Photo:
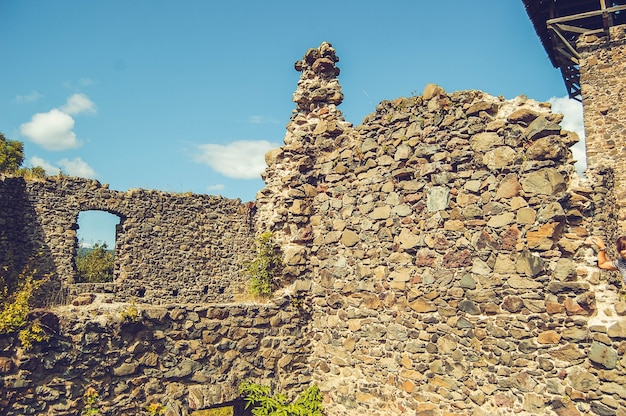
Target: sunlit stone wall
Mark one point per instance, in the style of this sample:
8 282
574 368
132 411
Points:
602 69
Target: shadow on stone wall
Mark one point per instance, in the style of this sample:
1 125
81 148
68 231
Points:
23 245
169 247
184 357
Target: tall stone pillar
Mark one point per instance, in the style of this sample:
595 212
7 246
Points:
603 83
315 128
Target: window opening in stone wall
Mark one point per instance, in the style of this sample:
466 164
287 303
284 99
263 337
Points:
95 252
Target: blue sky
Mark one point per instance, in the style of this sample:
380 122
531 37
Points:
188 95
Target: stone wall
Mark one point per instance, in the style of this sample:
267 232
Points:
445 239
169 247
602 66
183 357
436 261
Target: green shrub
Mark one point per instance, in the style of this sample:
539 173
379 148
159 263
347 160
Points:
16 293
264 403
11 154
36 172
95 265
12 157
263 270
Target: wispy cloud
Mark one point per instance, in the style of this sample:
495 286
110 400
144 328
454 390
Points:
29 98
573 120
83 82
217 187
54 130
244 159
42 163
74 167
77 167
79 103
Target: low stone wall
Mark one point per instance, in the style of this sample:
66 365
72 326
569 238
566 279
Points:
186 358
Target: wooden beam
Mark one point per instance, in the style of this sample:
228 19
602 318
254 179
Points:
568 28
567 55
585 15
565 41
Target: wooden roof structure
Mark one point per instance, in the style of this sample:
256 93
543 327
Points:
559 23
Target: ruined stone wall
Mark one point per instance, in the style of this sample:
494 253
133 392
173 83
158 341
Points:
169 247
183 357
437 263
602 67
446 243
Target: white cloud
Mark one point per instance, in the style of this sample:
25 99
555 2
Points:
77 167
78 103
573 112
29 98
244 159
47 166
573 120
51 130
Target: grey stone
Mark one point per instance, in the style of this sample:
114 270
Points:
528 264
437 198
603 355
469 307
546 181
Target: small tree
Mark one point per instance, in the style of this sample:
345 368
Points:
263 270
11 155
95 265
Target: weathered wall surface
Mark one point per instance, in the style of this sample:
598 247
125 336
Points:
445 240
169 247
438 261
602 67
184 357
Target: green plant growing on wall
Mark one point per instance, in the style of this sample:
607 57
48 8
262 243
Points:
130 313
263 270
264 403
155 409
95 265
16 293
92 402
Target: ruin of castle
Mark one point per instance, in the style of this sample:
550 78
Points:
436 262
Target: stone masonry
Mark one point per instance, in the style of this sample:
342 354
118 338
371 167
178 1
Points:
602 67
168 246
445 240
183 357
436 262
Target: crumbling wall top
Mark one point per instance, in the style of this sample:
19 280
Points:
318 85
